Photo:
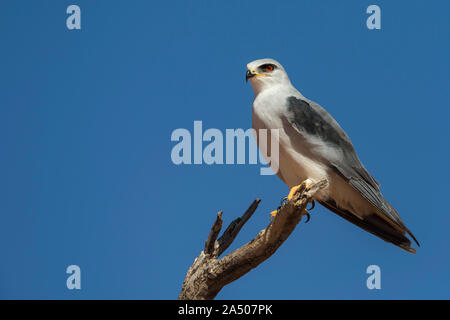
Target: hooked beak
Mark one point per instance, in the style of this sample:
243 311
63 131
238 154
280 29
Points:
249 75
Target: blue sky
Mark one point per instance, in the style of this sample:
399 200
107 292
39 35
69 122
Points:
86 116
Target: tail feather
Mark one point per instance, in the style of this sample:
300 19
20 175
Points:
374 224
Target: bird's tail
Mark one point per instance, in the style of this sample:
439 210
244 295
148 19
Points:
376 225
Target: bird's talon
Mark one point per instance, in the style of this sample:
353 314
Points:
313 204
308 217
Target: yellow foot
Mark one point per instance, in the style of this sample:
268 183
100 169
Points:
307 184
273 214
292 191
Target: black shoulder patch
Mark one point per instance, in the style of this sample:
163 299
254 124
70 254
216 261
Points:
312 119
309 120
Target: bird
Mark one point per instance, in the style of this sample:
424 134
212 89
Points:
313 146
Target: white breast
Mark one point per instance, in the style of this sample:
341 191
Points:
295 164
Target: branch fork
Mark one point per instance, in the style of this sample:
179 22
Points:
209 274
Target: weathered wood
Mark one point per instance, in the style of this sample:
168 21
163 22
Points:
215 230
208 274
233 229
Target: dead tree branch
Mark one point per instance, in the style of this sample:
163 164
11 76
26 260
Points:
208 274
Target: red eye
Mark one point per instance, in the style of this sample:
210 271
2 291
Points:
269 68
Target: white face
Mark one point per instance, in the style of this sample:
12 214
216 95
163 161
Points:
265 73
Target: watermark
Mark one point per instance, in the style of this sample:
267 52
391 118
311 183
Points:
374 20
240 146
226 309
74 20
374 280
74 280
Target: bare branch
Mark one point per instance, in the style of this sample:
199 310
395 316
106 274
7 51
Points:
208 275
233 229
215 230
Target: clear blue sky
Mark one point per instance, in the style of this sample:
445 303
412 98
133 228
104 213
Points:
86 117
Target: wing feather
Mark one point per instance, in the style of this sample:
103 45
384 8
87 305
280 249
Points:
311 119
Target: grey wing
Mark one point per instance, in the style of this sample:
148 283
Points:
311 119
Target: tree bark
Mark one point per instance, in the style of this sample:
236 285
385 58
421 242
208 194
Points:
209 274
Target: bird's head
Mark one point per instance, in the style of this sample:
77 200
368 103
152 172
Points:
265 73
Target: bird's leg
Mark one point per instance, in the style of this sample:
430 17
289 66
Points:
307 184
292 191
283 201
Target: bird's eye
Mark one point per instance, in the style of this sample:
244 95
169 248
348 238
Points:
268 67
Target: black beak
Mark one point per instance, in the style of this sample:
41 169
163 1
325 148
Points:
248 75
